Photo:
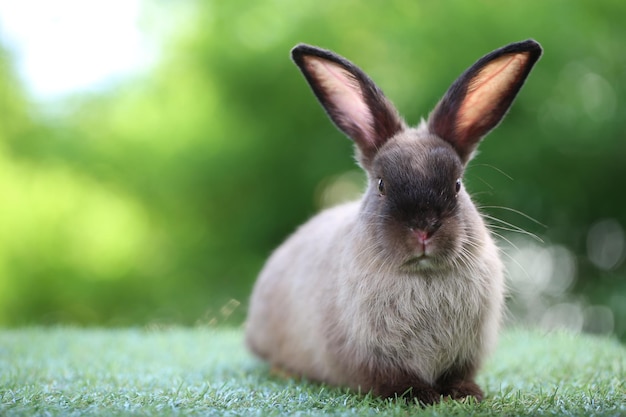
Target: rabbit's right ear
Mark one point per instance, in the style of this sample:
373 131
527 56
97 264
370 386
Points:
481 96
351 99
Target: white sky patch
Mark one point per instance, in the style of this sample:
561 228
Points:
66 46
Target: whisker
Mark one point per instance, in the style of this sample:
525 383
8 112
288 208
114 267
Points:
495 169
479 193
516 230
526 216
513 228
516 262
501 236
484 182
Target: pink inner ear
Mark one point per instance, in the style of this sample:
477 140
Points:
493 82
344 94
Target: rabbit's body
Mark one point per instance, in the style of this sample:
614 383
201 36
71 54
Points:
402 291
367 311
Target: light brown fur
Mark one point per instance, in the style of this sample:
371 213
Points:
325 307
353 298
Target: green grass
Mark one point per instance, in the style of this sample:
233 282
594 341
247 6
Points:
69 371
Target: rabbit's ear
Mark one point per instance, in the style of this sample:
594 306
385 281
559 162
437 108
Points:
351 99
481 96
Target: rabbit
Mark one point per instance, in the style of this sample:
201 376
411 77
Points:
401 293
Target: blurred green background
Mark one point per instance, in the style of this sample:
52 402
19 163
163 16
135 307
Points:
156 197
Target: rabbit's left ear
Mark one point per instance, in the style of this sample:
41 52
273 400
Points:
351 99
481 96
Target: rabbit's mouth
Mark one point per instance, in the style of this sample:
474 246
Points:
421 262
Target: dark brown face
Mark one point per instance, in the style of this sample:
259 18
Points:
417 202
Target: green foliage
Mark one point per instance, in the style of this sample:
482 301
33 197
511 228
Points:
67 371
159 199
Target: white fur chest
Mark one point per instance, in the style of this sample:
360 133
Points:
423 324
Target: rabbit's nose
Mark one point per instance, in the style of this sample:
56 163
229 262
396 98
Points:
421 235
421 239
425 230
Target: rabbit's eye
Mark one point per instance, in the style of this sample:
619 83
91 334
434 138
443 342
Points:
381 186
458 185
